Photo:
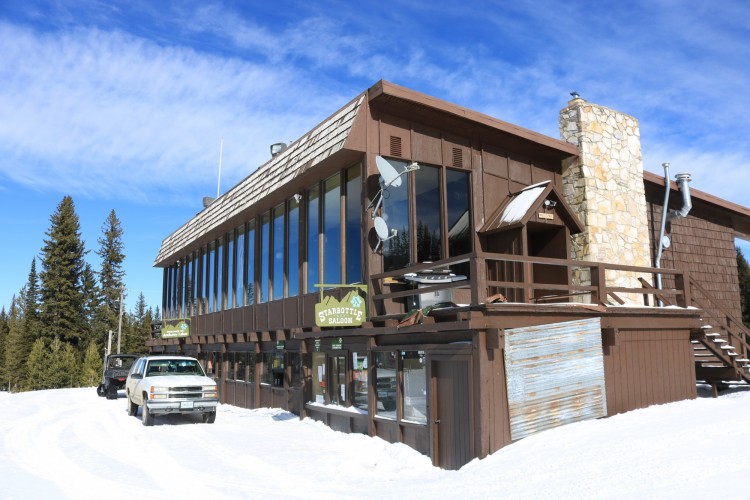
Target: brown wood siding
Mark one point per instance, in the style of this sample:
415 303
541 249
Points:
492 420
387 430
456 151
395 137
647 367
426 145
706 249
416 436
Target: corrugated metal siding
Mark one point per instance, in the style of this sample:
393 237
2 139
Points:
317 145
555 375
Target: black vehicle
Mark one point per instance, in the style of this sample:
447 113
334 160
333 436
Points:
116 368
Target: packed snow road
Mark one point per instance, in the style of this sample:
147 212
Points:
70 443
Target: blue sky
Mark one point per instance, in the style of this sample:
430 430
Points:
123 104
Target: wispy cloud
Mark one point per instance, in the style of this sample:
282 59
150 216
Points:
112 114
101 110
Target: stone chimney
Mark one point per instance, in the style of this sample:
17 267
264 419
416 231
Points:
604 186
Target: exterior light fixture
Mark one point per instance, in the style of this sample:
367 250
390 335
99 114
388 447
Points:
277 148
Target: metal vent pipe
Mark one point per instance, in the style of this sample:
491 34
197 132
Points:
687 204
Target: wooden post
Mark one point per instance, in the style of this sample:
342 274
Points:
478 266
599 280
682 282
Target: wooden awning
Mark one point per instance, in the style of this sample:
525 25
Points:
537 203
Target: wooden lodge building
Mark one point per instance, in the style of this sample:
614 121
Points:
418 271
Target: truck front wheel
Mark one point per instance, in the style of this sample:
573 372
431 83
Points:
146 416
132 407
209 417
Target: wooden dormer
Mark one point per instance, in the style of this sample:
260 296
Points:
533 222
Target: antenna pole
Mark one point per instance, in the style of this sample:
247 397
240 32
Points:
221 151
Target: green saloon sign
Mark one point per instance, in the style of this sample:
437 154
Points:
350 311
175 328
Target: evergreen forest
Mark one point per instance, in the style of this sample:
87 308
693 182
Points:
55 332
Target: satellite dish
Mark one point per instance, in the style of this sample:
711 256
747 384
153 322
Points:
381 230
390 175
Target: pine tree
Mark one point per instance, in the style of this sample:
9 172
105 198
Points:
16 348
141 327
37 367
91 371
111 274
62 368
743 272
70 374
95 327
4 328
62 265
30 295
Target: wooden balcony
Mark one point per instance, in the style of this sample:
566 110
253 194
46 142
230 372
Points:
490 278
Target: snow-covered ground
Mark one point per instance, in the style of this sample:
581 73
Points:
69 443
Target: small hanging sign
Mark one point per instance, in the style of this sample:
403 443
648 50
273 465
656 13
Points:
350 311
175 328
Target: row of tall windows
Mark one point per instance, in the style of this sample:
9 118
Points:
438 216
339 377
241 367
261 259
408 402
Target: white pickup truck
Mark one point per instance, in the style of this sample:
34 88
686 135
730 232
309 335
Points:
170 384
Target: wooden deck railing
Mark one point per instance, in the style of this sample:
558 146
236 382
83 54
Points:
527 280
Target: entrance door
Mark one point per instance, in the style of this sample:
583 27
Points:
451 428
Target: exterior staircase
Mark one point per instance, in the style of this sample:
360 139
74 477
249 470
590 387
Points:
722 346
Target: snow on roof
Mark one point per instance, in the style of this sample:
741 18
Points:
521 203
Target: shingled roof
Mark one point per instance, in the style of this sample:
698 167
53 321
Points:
306 152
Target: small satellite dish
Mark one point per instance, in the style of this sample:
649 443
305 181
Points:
666 242
390 175
381 230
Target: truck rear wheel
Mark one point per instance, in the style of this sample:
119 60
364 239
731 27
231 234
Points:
111 391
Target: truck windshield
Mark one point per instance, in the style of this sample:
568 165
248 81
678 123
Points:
174 367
